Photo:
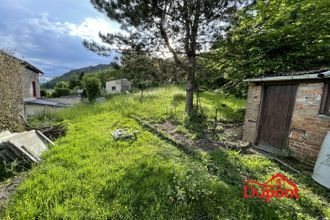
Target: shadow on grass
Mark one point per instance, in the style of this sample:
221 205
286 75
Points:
229 108
151 189
196 122
231 169
234 169
9 170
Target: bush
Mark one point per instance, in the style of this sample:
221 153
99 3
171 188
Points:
43 93
62 84
61 92
92 85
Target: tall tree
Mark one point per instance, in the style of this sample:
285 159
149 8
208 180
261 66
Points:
141 68
183 27
274 36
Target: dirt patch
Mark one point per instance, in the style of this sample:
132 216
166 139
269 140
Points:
225 135
7 189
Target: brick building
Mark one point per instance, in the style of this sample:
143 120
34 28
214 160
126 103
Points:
289 113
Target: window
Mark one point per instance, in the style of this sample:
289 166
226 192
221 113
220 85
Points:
325 104
113 88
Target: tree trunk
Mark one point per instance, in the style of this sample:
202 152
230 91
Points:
191 84
189 96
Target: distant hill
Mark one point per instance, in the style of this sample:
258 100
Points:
75 74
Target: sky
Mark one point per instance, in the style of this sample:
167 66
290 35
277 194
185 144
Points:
49 33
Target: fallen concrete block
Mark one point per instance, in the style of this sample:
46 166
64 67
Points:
5 133
25 147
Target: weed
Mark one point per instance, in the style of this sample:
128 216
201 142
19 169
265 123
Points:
196 121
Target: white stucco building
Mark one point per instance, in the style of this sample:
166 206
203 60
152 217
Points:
118 86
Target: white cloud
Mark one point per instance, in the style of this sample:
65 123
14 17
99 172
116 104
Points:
88 29
44 41
42 23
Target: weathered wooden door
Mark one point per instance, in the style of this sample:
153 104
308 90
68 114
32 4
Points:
276 115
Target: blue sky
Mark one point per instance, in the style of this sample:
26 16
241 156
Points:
49 33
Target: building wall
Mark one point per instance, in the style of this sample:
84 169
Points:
125 85
308 128
122 85
33 110
114 83
11 103
27 77
252 113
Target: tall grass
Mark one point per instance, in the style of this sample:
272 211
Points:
88 175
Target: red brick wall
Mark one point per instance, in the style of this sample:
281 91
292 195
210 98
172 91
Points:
252 113
308 128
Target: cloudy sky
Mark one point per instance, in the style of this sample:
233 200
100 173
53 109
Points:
49 33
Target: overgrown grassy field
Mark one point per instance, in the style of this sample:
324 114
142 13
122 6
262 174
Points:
88 175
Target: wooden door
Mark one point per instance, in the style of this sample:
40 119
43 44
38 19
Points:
34 89
276 115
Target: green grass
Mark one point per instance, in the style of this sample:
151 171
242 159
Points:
88 175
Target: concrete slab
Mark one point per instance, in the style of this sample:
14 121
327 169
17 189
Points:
27 146
5 133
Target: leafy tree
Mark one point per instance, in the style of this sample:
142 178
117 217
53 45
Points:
62 85
273 36
182 27
61 89
107 75
92 86
73 83
145 69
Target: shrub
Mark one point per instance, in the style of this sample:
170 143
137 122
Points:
61 92
43 93
196 121
62 84
92 85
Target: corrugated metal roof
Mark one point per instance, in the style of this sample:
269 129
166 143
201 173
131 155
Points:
298 75
44 102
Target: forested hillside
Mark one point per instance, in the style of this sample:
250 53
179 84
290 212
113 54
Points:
74 74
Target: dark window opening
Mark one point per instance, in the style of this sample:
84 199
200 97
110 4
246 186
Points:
34 89
113 87
325 104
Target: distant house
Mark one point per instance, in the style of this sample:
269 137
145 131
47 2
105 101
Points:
30 79
30 88
118 86
33 104
289 113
